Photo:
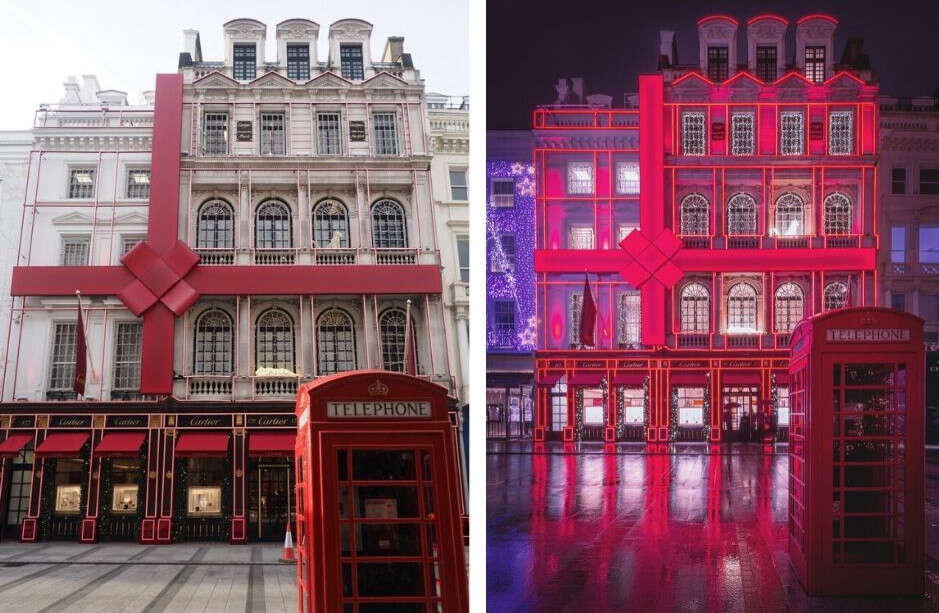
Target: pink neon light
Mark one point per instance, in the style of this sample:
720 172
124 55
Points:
781 20
713 17
802 20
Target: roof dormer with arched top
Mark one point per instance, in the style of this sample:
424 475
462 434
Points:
301 34
350 49
815 36
766 46
717 46
241 35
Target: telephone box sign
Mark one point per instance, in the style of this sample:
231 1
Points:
868 335
378 409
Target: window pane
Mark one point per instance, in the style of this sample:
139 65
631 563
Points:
841 132
929 181
273 140
791 133
742 133
244 67
580 178
503 192
298 62
462 249
627 178
138 184
717 63
215 134
328 134
898 244
350 58
929 245
81 183
692 134
766 63
386 137
75 251
335 342
458 184
62 371
898 181
127 356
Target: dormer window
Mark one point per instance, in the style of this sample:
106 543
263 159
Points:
350 59
717 63
298 62
815 64
244 62
766 63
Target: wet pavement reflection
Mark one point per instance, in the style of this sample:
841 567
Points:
669 528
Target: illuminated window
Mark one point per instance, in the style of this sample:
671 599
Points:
741 309
580 237
81 183
634 404
298 62
717 63
335 342
782 406
628 318
559 406
791 133
215 228
507 262
503 312
273 226
392 325
502 193
330 225
127 356
741 125
580 178
836 295
328 134
929 247
623 230
789 307
350 62
841 133
627 178
766 63
388 225
790 215
75 251
138 183
695 218
573 319
244 62
898 244
690 405
741 215
837 214
593 406
214 344
692 134
695 309
815 64
273 136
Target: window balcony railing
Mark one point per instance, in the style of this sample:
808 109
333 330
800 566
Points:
209 386
266 257
782 340
696 340
743 242
216 257
395 257
502 200
275 387
126 395
334 257
743 341
696 242
61 395
792 242
899 268
929 268
842 241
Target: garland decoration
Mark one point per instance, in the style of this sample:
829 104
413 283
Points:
48 494
579 414
620 412
705 410
774 403
107 519
211 527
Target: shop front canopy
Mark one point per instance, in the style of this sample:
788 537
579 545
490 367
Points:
272 443
120 444
62 445
14 444
202 445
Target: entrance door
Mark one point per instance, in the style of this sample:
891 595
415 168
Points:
388 528
741 414
273 501
20 471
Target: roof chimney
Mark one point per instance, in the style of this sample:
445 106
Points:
192 45
89 89
394 47
668 48
148 97
72 93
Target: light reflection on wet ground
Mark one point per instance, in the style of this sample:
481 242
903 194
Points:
686 528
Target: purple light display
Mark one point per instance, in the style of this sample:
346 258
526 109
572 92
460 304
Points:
507 281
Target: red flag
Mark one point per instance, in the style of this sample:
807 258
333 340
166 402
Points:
588 316
410 359
81 355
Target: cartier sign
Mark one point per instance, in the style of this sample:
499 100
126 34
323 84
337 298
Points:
378 409
71 421
868 335
205 421
271 420
127 421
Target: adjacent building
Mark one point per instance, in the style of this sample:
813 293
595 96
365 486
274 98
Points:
738 199
257 222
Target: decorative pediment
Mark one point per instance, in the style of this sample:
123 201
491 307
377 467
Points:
72 219
845 80
132 218
272 79
793 80
384 80
329 80
743 81
215 80
690 86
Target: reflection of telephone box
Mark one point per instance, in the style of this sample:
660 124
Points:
856 453
378 496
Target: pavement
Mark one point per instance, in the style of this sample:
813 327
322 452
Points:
685 528
130 578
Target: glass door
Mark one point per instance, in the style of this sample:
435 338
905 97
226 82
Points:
740 413
274 508
21 468
388 529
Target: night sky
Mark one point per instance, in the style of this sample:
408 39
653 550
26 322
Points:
531 43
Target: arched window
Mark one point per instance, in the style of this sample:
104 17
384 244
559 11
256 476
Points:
335 342
836 295
741 309
392 325
330 225
789 307
274 341
389 230
790 215
741 215
214 344
837 214
273 226
694 215
695 309
215 225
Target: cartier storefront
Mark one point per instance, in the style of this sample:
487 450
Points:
153 472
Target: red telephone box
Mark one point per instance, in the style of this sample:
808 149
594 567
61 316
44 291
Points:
856 453
378 495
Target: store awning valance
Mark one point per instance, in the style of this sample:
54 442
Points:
14 444
688 378
272 443
202 444
741 377
629 378
118 444
550 379
586 378
62 445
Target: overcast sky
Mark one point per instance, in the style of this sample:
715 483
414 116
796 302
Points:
126 43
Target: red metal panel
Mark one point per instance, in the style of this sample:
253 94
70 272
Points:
64 280
651 154
292 280
156 371
164 162
62 445
768 131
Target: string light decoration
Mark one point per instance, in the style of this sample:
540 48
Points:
774 403
579 414
705 410
505 281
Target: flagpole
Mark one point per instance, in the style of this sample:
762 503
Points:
91 365
407 336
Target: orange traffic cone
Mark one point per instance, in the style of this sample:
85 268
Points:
288 555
